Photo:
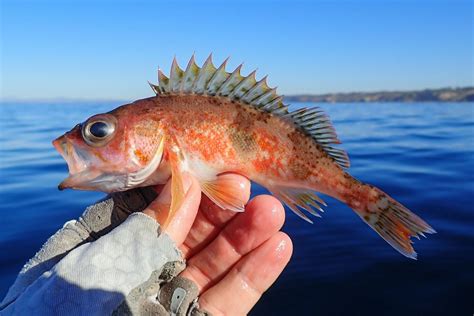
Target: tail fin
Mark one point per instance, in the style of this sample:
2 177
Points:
393 222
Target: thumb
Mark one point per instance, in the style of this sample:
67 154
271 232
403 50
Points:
183 219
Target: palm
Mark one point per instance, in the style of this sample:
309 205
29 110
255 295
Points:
232 257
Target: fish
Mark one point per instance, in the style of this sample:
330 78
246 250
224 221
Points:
207 122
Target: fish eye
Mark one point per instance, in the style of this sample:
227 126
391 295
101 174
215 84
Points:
97 131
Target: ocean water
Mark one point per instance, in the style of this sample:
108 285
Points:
421 154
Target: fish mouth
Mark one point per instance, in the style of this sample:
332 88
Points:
82 175
76 159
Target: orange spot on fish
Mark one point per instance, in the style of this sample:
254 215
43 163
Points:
141 157
99 155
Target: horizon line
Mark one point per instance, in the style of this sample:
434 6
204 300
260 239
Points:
78 99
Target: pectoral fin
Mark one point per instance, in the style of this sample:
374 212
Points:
222 191
177 186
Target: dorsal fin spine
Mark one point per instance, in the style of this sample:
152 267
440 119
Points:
281 110
176 76
270 106
234 79
216 80
264 98
205 74
237 91
189 76
257 90
155 88
163 81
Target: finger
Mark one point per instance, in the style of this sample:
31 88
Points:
211 218
183 219
243 286
263 217
179 226
158 208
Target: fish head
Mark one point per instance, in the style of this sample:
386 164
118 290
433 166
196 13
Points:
111 152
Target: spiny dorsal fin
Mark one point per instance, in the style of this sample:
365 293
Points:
209 80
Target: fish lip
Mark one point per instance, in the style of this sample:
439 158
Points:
92 180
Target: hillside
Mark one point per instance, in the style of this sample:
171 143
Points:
465 94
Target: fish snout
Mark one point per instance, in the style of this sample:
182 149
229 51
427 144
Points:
60 144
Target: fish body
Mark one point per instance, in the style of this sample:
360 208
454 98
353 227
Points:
208 122
224 136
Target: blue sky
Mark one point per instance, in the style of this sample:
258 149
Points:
109 49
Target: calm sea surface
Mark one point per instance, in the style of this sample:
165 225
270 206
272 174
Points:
421 154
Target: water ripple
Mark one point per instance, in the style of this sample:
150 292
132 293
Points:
423 155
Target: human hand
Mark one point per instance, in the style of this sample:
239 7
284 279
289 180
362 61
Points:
232 257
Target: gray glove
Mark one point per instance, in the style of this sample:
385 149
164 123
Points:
99 263
165 294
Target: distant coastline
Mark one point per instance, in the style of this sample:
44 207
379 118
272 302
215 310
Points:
465 94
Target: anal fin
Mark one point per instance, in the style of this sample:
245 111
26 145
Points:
297 199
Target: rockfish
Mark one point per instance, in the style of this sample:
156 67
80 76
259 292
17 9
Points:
207 121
